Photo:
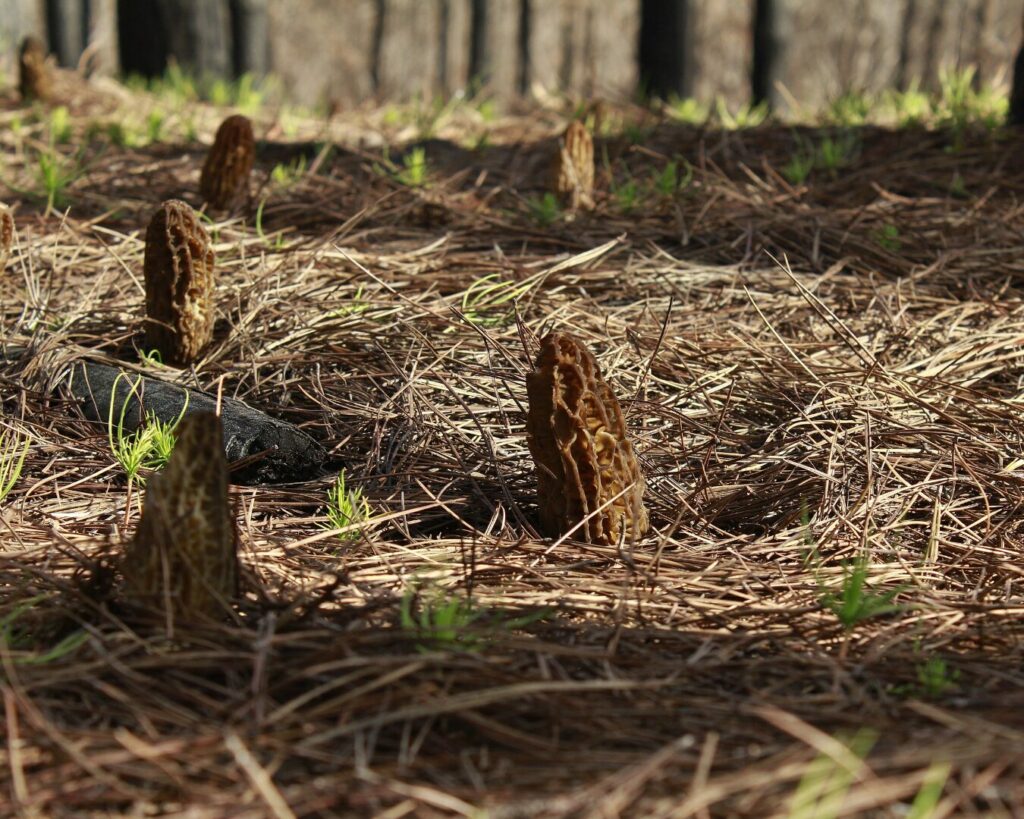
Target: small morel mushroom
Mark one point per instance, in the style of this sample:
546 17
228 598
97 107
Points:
178 270
183 560
587 474
6 235
573 169
225 175
34 78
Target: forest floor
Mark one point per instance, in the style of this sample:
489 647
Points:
817 336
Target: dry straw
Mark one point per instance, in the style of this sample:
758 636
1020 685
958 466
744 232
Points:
859 406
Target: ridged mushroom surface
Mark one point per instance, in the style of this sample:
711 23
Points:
183 559
589 480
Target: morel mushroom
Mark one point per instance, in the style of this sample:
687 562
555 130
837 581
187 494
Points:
6 235
178 270
573 171
183 559
225 175
589 481
34 79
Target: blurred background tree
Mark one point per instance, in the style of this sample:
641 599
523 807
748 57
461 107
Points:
346 51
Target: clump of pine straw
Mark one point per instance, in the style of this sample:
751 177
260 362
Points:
819 378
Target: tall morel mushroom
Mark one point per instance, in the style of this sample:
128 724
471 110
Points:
6 235
178 270
225 176
183 560
35 81
573 168
588 477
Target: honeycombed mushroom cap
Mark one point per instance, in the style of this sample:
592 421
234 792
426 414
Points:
178 269
183 558
225 174
587 473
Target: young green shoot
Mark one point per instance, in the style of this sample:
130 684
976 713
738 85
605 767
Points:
449 620
358 304
850 109
855 602
835 153
60 126
746 116
442 619
627 195
21 637
926 801
154 126
489 301
961 105
545 210
935 678
908 108
278 241
414 169
688 110
668 182
347 509
798 168
888 236
148 447
151 358
13 451
54 177
827 780
287 175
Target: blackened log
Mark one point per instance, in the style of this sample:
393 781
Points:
262 449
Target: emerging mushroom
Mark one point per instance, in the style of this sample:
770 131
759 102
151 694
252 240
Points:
573 168
178 269
35 80
183 559
225 176
589 480
6 235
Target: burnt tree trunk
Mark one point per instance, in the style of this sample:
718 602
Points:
765 48
1016 112
497 45
323 56
250 34
143 41
194 33
584 47
663 33
68 25
199 34
84 27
